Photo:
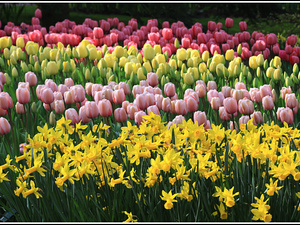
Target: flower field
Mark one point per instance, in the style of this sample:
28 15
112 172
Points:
112 122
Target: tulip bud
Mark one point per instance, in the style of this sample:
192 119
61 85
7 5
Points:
75 75
14 72
239 49
295 69
288 82
176 43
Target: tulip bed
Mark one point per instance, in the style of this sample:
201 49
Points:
107 122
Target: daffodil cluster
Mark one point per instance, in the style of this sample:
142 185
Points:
175 160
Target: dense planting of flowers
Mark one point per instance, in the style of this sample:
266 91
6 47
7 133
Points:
107 122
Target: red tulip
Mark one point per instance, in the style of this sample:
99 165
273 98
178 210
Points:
243 25
228 22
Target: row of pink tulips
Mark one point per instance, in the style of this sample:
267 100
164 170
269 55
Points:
111 31
228 103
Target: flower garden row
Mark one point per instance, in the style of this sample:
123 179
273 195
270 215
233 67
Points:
174 113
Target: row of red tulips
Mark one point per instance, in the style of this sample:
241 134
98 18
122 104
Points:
110 32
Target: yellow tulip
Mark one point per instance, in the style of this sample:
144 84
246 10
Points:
20 42
229 55
149 52
82 51
181 54
52 68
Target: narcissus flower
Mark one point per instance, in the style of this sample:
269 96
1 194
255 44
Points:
169 198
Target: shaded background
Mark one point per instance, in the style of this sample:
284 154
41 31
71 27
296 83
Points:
277 17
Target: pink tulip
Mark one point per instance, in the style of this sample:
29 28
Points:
226 90
294 59
169 89
71 114
69 98
271 39
286 115
59 106
124 105
237 94
154 109
181 107
62 88
6 101
82 115
290 100
158 100
51 84
255 95
201 90
191 103
138 117
212 26
132 108
88 88
212 93
69 82
78 92
141 101
265 90
105 107
20 108
215 103
157 90
240 85
257 117
47 96
246 106
137 89
118 96
178 120
291 40
96 87
2 78
23 95
120 115
200 118
267 102
166 104
230 105
91 109
4 126
152 79
211 85
223 114
244 120
125 87
31 78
